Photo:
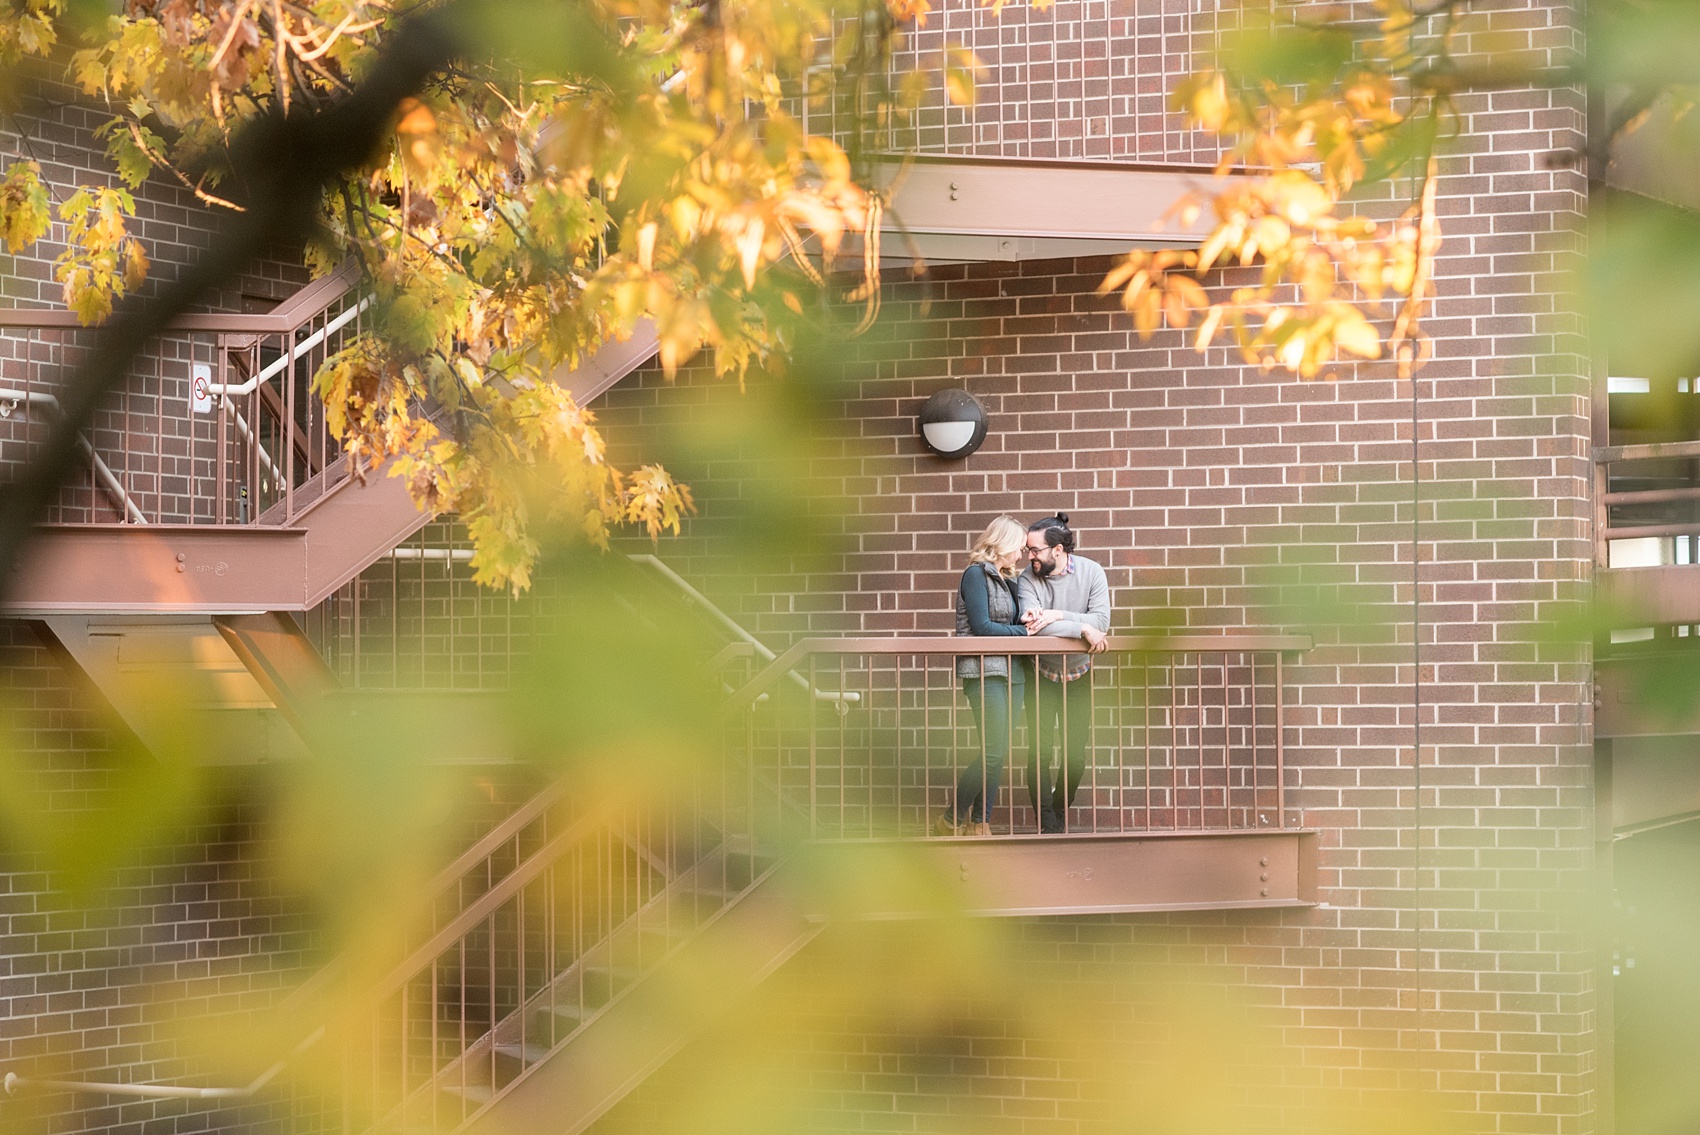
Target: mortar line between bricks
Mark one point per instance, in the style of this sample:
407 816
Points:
1417 714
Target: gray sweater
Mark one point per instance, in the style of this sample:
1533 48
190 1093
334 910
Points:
1084 593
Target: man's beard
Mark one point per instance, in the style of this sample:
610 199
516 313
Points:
1043 568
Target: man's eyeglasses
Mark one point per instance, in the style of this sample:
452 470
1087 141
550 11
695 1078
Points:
1032 551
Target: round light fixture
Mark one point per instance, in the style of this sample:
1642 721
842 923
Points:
953 423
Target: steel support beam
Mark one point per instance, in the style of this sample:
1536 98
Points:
608 364
1649 596
162 568
1013 209
276 652
349 528
1021 876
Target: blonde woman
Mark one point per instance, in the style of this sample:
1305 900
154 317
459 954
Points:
986 606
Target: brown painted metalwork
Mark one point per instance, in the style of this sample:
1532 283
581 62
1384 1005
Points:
1129 202
163 568
1651 595
1010 877
1186 733
276 652
1606 457
255 456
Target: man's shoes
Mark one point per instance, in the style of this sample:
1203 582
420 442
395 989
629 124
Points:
1050 825
945 825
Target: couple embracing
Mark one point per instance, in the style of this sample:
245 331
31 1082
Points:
1061 594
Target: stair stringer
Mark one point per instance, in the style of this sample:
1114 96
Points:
644 1025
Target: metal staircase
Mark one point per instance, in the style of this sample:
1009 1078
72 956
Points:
561 983
215 495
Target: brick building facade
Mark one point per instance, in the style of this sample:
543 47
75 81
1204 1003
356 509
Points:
1428 537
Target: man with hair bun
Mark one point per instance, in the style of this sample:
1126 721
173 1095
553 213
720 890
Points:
1068 596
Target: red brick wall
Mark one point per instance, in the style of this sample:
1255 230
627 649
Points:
1084 79
100 976
1451 942
54 126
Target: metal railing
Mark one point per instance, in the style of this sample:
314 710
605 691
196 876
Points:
1635 503
533 959
415 620
1180 734
841 699
548 920
216 424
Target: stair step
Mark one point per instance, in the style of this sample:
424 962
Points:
601 983
474 1093
557 1022
566 1011
526 1054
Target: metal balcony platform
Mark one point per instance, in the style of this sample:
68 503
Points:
1025 875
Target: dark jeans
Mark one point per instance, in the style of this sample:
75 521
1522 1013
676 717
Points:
1062 715
997 707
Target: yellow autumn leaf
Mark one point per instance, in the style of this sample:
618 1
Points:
1353 333
962 70
1207 329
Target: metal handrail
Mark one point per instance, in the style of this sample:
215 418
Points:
14 1082
523 873
1649 451
481 908
303 324
451 875
693 596
289 357
102 470
995 646
1605 498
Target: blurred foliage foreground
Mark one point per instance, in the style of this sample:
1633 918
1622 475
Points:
709 192
946 1023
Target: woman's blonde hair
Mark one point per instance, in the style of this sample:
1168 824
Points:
1001 537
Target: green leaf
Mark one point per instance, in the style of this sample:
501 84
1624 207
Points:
132 160
1267 52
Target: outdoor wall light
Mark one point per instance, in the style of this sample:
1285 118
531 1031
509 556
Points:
953 423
